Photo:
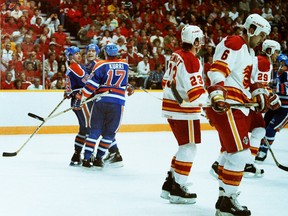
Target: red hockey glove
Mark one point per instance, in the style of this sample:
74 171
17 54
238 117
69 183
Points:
274 101
77 101
217 95
260 95
130 89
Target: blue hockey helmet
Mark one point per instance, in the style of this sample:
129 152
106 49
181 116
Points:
93 47
282 57
111 49
71 51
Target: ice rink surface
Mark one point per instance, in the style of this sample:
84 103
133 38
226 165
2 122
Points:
39 182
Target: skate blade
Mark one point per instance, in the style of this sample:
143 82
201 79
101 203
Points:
75 164
180 200
165 195
253 175
114 165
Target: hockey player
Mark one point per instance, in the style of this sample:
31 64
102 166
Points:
92 52
185 72
276 119
114 158
76 79
108 75
230 78
262 70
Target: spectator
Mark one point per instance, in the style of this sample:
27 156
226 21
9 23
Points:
155 77
158 36
27 45
233 13
52 23
29 72
132 58
60 35
85 21
143 71
16 13
6 55
51 65
35 16
105 39
107 25
36 85
24 82
8 82
18 84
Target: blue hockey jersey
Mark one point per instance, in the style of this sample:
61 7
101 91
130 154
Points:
108 75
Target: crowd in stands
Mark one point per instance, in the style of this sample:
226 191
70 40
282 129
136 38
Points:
145 31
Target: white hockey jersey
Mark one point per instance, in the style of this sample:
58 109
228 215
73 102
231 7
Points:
232 65
185 70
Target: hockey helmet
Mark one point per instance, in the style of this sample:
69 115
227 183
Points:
282 57
71 51
262 25
93 47
189 34
272 44
111 49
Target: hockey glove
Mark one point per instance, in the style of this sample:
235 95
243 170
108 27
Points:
77 101
217 95
261 96
67 95
130 89
274 101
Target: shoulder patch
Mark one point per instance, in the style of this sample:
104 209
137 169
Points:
190 61
234 42
263 64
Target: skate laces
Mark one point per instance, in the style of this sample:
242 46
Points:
235 201
185 187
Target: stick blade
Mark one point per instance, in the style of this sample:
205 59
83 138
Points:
283 167
9 154
35 116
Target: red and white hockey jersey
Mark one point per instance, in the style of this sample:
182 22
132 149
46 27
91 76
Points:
232 65
262 70
185 70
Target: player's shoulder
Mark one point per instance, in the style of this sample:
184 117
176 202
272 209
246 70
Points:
263 63
191 62
234 42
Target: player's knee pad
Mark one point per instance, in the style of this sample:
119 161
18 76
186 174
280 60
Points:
186 152
258 133
238 160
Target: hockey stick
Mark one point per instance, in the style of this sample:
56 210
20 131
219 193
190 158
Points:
12 154
274 158
143 89
184 103
64 111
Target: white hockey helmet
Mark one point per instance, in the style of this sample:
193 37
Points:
262 25
272 44
189 34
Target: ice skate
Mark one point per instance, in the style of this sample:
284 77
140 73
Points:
167 186
86 164
76 159
214 169
251 171
231 207
114 159
180 195
98 163
262 153
261 156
